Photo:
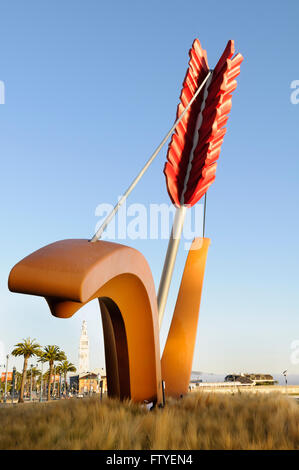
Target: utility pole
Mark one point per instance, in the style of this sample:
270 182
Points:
60 384
13 384
101 388
31 367
286 380
41 383
53 390
5 390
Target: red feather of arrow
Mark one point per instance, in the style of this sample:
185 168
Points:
196 143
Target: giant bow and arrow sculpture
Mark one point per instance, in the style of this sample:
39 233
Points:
196 143
70 273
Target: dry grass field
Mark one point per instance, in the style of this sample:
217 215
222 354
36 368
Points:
198 421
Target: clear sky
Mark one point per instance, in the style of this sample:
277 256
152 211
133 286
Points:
91 87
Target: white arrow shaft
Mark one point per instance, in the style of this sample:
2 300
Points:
110 216
170 258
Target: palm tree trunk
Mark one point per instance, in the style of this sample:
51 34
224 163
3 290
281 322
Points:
65 386
59 381
21 397
49 380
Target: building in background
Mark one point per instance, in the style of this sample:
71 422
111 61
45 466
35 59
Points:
87 381
91 383
251 379
215 381
84 350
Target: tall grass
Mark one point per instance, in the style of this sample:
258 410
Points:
198 421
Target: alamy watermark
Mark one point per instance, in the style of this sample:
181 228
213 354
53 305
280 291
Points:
153 222
2 92
294 98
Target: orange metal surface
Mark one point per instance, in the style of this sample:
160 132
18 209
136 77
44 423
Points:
70 273
179 349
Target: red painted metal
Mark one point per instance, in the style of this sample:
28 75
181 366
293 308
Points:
189 173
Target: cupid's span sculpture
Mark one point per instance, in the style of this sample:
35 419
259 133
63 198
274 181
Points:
71 273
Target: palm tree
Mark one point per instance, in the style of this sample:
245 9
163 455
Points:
51 354
18 381
2 388
27 349
44 381
58 371
35 374
65 367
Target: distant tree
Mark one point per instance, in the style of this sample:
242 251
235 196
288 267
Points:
35 375
51 354
58 371
44 381
2 387
26 349
18 381
65 367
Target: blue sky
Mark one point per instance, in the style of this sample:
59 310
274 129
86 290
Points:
91 88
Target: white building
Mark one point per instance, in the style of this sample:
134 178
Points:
84 350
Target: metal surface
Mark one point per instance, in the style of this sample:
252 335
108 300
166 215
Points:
196 143
70 273
110 216
178 353
169 262
197 67
198 123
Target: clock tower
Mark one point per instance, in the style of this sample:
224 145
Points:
84 350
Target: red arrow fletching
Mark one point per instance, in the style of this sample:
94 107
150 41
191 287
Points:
196 143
